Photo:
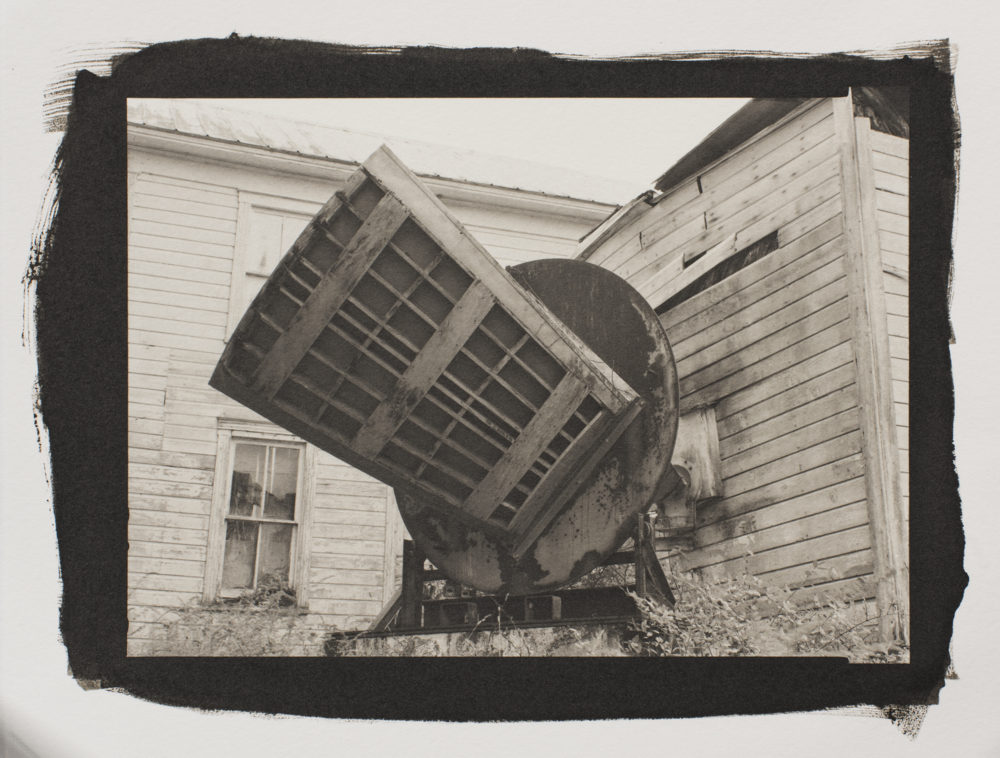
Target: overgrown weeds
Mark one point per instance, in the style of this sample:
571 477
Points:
742 616
260 622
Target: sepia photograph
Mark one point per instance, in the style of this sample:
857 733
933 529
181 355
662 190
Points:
496 379
522 377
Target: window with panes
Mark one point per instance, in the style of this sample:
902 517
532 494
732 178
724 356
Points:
261 515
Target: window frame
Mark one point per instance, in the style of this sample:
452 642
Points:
248 203
231 432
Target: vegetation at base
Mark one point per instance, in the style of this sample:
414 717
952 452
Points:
260 622
742 616
739 616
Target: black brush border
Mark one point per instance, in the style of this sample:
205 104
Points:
80 277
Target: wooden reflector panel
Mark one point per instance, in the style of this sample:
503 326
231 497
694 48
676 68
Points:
388 337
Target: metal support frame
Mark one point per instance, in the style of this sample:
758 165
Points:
650 581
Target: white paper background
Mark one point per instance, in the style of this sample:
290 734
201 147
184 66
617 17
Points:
43 710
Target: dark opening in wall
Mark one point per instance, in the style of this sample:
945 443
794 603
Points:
725 269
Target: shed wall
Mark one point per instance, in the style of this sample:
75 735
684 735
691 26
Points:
771 347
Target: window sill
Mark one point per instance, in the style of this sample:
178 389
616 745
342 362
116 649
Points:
225 606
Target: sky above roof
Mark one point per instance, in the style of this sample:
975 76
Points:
630 141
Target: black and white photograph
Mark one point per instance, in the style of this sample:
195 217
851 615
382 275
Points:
510 397
393 397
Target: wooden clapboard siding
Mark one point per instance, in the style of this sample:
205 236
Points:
771 348
347 559
847 577
766 539
890 161
511 247
794 558
802 182
799 131
771 187
184 242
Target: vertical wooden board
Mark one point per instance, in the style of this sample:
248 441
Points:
393 547
864 272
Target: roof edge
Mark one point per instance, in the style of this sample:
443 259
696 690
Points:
745 123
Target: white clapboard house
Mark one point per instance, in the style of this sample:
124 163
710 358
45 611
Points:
215 198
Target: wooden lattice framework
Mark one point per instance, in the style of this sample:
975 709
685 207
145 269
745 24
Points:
390 338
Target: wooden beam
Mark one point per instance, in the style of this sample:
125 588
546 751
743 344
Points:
426 369
448 232
543 491
639 556
531 527
413 586
862 262
217 522
523 452
328 296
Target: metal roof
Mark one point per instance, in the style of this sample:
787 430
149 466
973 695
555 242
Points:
426 159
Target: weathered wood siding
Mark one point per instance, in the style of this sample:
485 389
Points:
770 347
183 238
890 160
